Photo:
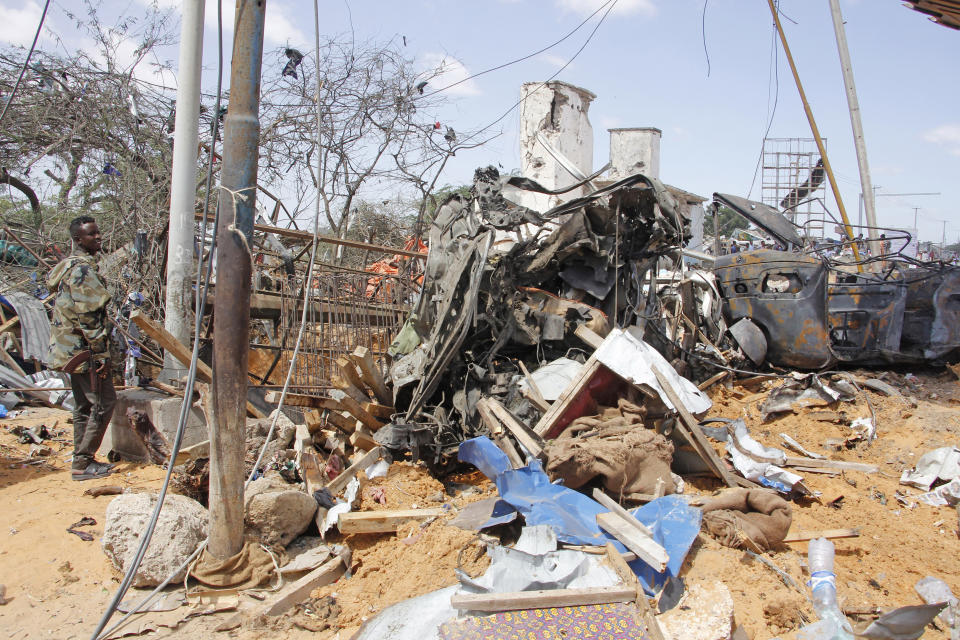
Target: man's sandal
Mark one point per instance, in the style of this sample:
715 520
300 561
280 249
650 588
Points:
94 470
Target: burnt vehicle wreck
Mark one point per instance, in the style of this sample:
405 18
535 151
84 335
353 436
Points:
811 311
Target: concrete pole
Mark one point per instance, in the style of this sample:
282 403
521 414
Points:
231 324
183 190
853 104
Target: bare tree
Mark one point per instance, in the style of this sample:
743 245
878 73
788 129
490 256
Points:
378 136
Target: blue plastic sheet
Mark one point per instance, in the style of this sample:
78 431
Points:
573 515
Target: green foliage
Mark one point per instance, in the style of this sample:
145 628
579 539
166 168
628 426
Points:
730 221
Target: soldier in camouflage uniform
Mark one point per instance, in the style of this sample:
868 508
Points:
80 324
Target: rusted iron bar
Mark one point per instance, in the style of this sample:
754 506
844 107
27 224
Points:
231 330
307 236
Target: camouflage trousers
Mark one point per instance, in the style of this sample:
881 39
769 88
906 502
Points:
91 416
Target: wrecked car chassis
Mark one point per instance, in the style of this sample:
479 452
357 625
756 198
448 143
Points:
815 313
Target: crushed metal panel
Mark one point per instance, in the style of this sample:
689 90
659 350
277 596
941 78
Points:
785 294
765 217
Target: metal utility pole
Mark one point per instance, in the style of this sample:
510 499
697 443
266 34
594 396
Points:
853 104
816 134
231 325
183 185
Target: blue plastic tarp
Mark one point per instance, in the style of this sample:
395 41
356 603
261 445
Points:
573 515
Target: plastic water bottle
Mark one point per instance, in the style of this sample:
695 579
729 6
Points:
833 625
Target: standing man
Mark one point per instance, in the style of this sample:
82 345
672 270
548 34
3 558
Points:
80 345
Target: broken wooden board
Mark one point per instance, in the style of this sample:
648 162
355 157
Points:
337 485
370 374
349 373
347 387
712 380
363 440
690 429
193 452
166 340
379 411
288 596
546 426
629 578
348 404
521 600
830 464
292 399
611 504
830 534
644 546
385 521
530 440
310 471
346 424
532 392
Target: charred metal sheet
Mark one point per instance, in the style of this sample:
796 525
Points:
814 313
785 294
765 217
751 339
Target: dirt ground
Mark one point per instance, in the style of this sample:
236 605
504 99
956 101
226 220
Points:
57 585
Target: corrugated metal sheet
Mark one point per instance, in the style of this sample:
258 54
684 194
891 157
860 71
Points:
34 325
945 12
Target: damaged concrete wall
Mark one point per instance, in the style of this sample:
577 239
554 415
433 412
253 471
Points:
635 150
558 112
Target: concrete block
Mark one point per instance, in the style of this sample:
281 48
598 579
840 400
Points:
163 411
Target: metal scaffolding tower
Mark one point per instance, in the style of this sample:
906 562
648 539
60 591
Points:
790 168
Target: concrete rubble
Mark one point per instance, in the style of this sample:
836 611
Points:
182 526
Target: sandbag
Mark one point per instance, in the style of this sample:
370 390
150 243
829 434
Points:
755 519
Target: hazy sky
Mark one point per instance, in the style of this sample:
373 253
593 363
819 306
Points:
648 65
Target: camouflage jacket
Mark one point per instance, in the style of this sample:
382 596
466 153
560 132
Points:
80 312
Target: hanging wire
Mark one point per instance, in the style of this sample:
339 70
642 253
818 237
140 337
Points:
26 62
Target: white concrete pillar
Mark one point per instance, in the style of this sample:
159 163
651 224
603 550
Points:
635 150
557 111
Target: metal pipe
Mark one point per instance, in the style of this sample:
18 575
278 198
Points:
231 330
816 134
853 104
177 315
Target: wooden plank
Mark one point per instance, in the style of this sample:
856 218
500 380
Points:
830 464
350 389
348 372
348 404
496 429
371 374
383 521
9 324
530 440
381 411
345 424
521 600
802 536
193 452
314 420
166 388
611 504
337 485
327 573
293 399
626 574
162 337
363 440
690 429
532 392
712 380
310 471
589 336
644 546
569 394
